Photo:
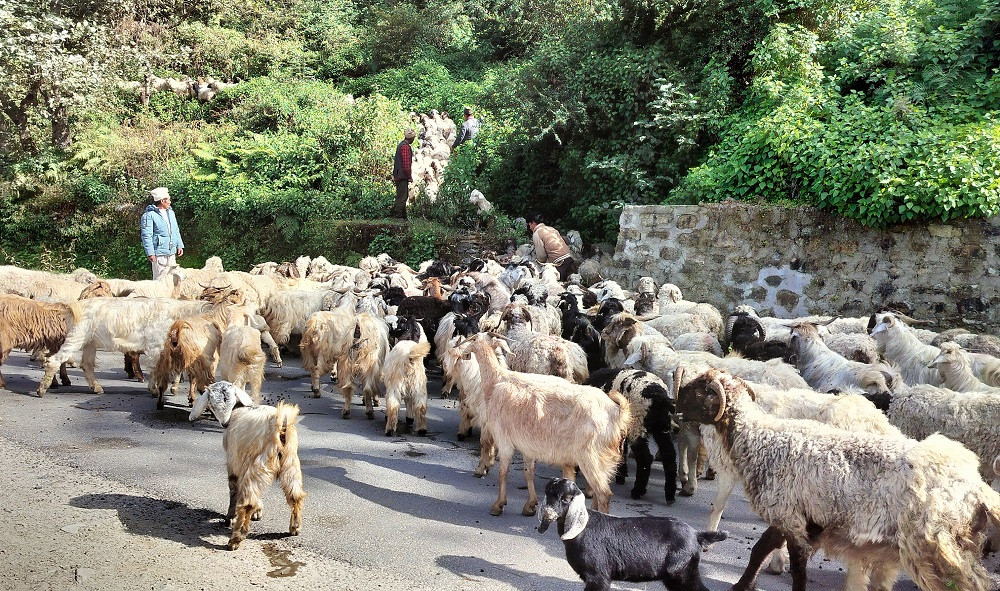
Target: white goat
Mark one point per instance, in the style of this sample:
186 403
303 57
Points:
261 445
568 425
826 371
405 380
241 358
118 324
363 363
326 340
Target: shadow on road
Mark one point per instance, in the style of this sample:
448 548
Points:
474 569
169 520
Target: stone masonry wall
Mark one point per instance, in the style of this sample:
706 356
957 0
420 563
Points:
790 262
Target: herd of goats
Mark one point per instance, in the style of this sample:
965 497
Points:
870 438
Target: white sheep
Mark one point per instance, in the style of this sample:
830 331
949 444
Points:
42 285
326 340
902 349
971 418
567 425
261 445
406 381
241 358
879 501
956 370
535 352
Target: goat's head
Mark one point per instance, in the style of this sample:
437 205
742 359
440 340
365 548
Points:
646 285
883 323
670 292
645 304
706 398
950 357
564 503
221 398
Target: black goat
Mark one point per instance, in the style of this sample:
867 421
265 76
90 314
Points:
652 407
608 309
747 339
438 269
576 327
404 328
602 548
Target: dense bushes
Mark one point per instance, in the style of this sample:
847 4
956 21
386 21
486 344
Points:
884 112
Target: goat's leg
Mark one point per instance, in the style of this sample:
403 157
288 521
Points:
314 382
668 456
501 502
369 394
129 368
883 576
51 366
465 423
857 578
89 363
231 512
391 411
531 505
621 473
797 554
290 478
256 383
63 376
486 452
241 524
770 540
4 352
345 382
601 488
267 339
726 486
132 358
643 466
596 583
691 439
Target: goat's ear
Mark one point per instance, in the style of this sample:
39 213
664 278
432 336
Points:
576 517
199 406
243 397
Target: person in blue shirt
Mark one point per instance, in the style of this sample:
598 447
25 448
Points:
161 238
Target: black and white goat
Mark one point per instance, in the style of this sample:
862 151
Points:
602 548
653 410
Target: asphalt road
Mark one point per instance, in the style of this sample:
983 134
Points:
106 492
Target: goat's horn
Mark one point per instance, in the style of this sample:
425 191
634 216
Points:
497 335
909 320
716 386
828 322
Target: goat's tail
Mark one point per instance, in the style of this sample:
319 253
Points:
707 538
285 417
624 414
72 314
420 351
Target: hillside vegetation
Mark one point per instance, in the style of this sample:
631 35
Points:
883 111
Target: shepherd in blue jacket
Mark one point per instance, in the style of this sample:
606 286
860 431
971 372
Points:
161 238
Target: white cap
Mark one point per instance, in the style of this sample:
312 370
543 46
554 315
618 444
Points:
158 194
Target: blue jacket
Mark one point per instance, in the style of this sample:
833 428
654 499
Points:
157 237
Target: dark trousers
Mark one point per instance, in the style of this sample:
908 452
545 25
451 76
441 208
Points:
565 268
402 192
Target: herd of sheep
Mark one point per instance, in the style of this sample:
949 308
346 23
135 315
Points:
870 438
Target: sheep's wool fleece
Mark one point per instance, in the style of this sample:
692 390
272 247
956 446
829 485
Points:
797 472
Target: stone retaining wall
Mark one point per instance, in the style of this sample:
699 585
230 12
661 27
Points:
790 262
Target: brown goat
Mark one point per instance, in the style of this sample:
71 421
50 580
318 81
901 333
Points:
29 324
192 345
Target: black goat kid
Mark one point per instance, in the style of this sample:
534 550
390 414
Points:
602 548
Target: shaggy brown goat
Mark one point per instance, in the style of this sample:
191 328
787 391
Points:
28 324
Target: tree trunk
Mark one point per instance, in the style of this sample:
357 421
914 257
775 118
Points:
60 128
18 115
